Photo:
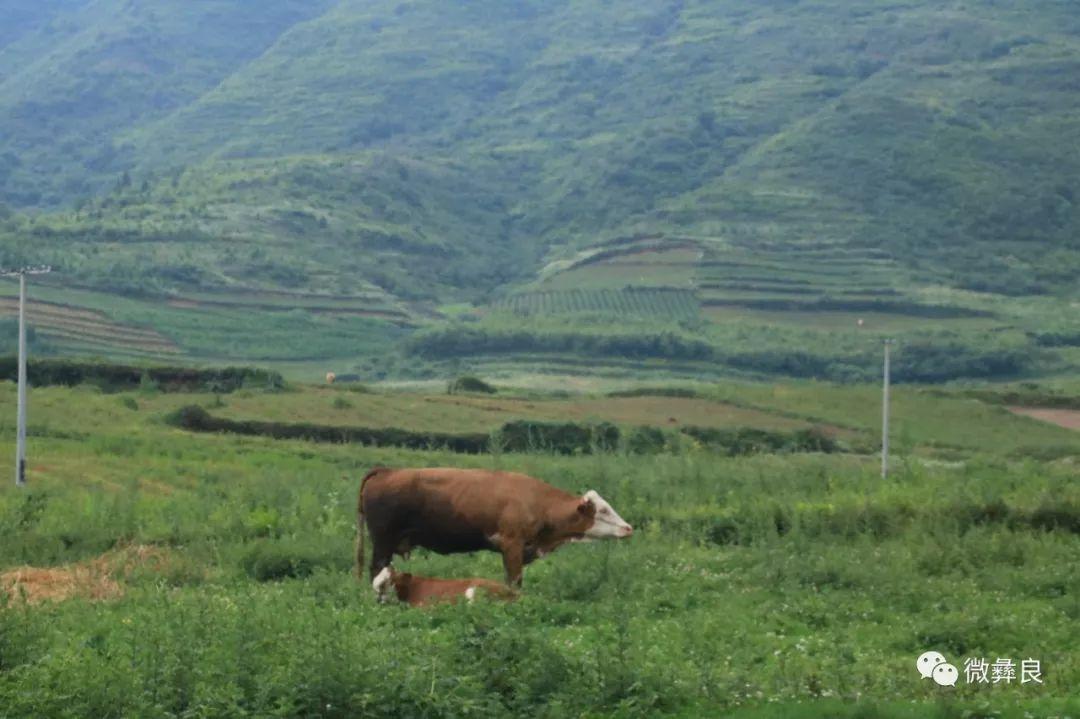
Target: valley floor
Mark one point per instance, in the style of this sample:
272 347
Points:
211 575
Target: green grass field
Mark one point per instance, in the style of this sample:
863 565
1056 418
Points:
762 586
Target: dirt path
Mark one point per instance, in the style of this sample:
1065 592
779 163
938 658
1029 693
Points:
1067 418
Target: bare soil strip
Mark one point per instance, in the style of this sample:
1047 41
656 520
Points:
1067 418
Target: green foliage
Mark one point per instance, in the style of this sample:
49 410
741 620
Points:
924 359
116 378
197 419
753 441
667 303
468 383
463 340
557 437
655 392
520 436
272 560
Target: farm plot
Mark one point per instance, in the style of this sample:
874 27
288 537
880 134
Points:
637 262
642 302
371 304
438 412
80 327
92 323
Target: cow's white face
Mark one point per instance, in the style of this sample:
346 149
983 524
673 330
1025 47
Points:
607 523
381 584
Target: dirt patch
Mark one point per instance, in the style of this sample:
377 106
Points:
1067 418
95 579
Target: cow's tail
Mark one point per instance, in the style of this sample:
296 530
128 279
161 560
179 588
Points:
360 522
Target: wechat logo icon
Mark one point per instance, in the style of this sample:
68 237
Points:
932 665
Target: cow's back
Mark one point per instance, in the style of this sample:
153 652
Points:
448 509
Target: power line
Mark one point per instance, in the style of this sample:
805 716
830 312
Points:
20 437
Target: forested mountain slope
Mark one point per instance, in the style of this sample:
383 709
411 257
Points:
448 152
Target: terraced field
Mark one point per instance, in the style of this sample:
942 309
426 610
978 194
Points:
816 281
208 328
375 304
78 328
639 301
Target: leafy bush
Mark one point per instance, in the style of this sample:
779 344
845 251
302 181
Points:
465 341
520 436
1057 339
268 560
655 392
469 384
747 440
940 362
114 377
646 440
558 437
195 418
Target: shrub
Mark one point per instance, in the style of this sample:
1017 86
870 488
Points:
469 384
748 440
115 378
646 440
268 561
656 392
197 419
561 438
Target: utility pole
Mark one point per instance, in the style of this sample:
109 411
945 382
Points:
20 435
885 413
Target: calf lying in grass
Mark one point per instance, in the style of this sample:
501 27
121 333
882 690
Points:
424 591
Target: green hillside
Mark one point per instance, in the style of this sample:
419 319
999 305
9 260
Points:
758 178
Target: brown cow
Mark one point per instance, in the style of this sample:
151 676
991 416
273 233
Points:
463 510
420 591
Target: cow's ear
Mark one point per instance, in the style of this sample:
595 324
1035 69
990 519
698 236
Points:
586 507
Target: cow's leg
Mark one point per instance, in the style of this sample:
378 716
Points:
513 554
381 556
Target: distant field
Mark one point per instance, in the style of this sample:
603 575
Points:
839 320
435 412
922 423
212 328
918 418
73 325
